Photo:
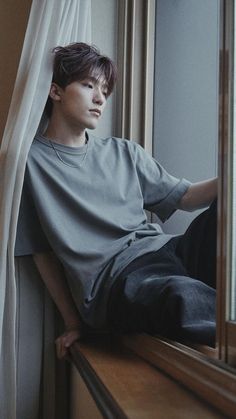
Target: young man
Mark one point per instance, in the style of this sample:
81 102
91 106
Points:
82 217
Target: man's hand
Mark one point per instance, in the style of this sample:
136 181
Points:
64 341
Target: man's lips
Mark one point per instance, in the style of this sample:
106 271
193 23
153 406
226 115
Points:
95 111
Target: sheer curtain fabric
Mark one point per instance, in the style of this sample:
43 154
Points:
51 23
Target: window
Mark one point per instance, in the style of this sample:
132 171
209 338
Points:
211 374
228 194
186 94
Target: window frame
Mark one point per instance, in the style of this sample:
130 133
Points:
207 374
228 327
224 192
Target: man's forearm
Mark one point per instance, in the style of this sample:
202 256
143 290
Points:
199 195
53 276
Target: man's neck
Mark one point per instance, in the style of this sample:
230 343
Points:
64 135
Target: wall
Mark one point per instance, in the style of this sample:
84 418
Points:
13 14
186 92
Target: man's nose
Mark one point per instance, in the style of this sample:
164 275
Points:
98 97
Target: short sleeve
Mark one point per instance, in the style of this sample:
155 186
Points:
30 238
161 191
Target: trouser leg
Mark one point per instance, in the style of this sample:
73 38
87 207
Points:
179 308
159 298
197 247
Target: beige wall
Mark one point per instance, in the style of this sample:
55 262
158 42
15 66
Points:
13 21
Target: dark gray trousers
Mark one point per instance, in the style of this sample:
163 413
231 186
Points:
171 292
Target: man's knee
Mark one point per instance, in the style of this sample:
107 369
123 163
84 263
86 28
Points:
188 288
189 300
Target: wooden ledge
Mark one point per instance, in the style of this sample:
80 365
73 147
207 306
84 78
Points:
100 393
123 385
210 378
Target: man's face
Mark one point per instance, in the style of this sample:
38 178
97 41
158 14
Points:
81 103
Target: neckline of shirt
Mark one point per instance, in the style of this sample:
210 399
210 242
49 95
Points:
65 148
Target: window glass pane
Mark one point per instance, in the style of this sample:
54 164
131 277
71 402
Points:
186 93
233 202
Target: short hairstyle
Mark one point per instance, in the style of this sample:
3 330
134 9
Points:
76 62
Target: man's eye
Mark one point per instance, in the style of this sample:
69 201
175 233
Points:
89 85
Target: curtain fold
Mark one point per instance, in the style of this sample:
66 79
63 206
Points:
51 23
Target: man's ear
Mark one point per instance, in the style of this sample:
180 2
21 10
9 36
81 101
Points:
55 92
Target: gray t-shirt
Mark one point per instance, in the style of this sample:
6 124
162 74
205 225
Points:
87 204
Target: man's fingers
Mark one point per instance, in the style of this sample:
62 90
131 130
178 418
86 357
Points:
65 341
71 338
59 348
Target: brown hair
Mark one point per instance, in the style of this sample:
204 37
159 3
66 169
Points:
77 61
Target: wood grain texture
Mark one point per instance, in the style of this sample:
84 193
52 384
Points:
139 389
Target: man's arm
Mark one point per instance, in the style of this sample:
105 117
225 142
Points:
53 276
199 195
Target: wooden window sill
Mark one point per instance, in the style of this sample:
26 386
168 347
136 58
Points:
123 385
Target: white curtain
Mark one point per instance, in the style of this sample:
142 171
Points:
51 23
